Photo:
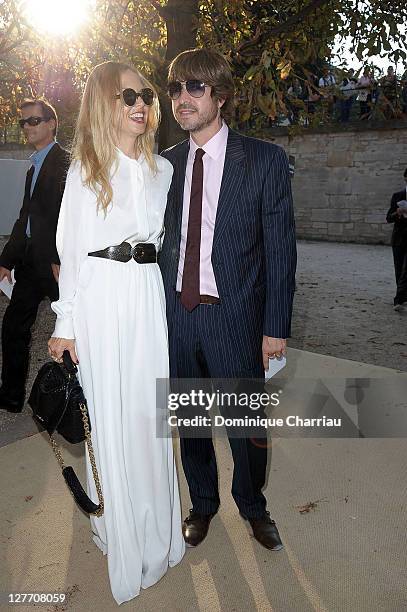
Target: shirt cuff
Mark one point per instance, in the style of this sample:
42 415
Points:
64 329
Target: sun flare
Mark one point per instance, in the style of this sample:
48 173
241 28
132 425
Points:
57 17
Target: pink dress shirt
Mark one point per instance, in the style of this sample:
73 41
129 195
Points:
213 162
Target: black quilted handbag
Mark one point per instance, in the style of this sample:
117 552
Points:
58 404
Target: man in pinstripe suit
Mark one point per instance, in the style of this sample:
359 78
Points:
228 263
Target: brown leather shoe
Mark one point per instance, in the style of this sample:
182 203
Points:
265 531
195 527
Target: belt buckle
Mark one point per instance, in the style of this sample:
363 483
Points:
125 251
138 252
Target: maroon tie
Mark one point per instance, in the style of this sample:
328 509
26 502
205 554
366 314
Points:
190 297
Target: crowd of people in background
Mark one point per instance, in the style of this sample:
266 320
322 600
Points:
329 95
336 92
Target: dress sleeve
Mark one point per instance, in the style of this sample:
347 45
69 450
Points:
71 247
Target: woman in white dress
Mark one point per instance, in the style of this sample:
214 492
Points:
111 318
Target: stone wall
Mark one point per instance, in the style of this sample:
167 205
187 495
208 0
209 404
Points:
344 180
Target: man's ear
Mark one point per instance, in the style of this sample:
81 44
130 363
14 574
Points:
221 102
52 124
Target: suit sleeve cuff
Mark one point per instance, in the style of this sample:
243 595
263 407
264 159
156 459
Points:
4 263
277 329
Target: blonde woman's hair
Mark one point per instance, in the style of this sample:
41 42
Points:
95 139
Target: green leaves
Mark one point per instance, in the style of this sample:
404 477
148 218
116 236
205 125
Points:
284 67
270 43
253 70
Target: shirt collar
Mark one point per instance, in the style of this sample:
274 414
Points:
214 146
122 155
38 156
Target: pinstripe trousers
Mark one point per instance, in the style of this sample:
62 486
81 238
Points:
200 348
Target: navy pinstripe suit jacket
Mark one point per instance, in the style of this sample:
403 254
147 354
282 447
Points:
254 250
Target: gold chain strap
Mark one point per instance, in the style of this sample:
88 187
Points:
60 460
57 452
92 459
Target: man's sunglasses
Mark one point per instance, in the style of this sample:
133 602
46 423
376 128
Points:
31 121
130 96
194 87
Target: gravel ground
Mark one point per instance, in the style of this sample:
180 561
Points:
343 308
344 304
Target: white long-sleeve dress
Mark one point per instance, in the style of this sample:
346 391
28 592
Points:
116 313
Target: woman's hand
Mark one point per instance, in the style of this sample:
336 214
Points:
56 347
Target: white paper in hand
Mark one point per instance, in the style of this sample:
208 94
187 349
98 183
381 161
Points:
275 365
403 206
6 287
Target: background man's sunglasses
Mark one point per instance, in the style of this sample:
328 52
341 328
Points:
194 87
130 96
31 121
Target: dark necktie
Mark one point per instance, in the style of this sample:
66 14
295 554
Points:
190 297
30 174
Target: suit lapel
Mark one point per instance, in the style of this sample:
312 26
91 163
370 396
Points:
179 181
233 172
175 204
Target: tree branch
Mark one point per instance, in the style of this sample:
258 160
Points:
180 6
302 14
282 27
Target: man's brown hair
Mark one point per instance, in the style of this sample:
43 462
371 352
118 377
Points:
210 67
48 111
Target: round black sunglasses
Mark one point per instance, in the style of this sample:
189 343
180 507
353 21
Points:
130 96
194 87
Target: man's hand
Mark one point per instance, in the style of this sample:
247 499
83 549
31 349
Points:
56 347
399 212
272 347
5 273
55 271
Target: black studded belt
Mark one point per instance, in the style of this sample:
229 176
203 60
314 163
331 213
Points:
144 252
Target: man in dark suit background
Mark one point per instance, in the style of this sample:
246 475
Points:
228 263
31 249
399 245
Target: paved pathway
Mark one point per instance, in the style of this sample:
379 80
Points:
343 304
356 501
